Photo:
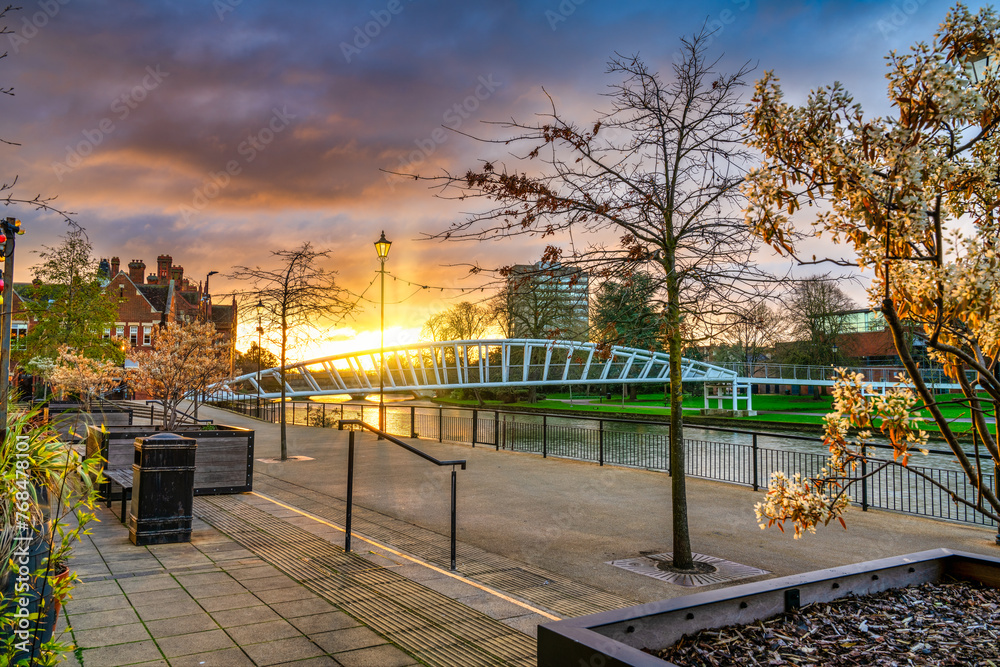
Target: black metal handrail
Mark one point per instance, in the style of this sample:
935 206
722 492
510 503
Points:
396 441
180 412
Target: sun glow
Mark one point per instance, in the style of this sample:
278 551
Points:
346 340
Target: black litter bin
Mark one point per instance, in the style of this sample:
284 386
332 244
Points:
162 489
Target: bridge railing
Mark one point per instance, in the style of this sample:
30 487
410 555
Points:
793 372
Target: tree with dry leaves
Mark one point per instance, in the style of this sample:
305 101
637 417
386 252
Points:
650 186
185 360
299 296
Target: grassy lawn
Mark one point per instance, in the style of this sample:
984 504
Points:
783 409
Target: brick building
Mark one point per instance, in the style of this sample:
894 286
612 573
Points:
145 303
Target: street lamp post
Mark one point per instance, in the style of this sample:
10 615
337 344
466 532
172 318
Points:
382 249
260 332
124 384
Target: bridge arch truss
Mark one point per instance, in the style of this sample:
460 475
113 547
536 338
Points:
473 364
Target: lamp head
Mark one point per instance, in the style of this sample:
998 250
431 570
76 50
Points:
259 307
382 246
977 64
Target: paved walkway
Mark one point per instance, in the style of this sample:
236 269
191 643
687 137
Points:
265 580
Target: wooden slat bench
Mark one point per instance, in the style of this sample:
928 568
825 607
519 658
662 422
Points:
123 478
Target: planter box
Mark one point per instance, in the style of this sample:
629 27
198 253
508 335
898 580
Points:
73 417
223 463
613 638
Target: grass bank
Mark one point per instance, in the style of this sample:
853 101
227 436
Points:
801 413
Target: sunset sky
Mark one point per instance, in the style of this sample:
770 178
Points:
219 130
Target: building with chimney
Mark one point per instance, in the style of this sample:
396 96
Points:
149 301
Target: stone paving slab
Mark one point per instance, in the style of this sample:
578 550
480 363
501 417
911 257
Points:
197 611
189 606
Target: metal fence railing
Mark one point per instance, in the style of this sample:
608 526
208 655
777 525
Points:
645 444
792 373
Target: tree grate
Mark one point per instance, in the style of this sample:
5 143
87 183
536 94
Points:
724 570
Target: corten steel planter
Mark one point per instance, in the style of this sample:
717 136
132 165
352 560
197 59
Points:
224 462
613 638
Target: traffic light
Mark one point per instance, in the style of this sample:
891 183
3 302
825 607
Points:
11 226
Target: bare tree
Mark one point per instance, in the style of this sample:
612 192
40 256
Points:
463 321
818 312
658 173
747 336
297 295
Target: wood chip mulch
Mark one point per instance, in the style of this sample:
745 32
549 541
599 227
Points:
952 623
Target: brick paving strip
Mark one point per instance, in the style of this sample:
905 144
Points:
560 595
422 621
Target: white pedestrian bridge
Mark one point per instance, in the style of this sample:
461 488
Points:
512 363
473 364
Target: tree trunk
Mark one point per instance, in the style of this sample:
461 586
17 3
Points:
681 535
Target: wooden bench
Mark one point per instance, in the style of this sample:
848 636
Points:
123 478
